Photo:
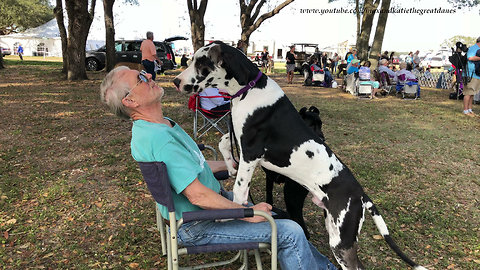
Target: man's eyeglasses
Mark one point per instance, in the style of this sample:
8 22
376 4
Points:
142 77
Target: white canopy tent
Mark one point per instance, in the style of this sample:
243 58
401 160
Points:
45 40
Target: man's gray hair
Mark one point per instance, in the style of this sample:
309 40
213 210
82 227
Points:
113 91
403 65
149 35
383 62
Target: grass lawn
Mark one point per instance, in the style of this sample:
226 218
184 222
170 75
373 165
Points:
71 196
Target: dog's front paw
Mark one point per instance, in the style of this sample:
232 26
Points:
240 195
232 172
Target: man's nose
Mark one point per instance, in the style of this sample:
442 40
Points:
177 81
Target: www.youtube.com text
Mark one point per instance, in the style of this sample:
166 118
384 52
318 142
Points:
393 10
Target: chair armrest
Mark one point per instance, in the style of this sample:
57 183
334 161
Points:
221 175
217 214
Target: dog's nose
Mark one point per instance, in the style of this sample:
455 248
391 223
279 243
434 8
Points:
177 81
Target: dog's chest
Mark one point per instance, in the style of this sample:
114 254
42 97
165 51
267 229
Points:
255 99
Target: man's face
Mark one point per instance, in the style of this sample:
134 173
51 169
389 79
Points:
140 91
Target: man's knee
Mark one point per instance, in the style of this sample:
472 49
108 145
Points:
289 229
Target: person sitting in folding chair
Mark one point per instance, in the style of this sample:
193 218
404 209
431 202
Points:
155 138
215 102
365 78
405 76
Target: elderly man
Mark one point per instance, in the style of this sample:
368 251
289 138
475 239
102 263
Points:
149 55
383 67
133 95
473 87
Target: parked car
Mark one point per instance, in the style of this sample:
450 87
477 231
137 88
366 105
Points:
437 61
129 51
303 52
5 51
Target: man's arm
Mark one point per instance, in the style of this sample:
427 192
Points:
474 58
205 198
217 166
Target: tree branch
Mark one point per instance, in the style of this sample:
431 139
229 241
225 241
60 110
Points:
267 15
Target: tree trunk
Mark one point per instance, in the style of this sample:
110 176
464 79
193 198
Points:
79 21
379 33
109 34
1 61
249 22
58 11
366 28
197 25
357 11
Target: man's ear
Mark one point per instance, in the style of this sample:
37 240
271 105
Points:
129 103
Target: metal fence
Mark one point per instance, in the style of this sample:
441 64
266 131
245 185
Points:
441 80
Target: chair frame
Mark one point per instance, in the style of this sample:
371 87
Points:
208 121
364 89
158 184
407 89
351 84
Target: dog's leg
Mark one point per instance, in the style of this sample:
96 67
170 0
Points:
343 231
295 195
226 149
242 182
269 179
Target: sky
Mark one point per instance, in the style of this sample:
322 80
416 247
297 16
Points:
407 31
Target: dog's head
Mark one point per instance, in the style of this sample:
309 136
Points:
220 66
312 119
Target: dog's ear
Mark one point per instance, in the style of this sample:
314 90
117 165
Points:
215 54
302 111
236 64
314 109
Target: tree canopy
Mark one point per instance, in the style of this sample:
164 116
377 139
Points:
450 42
18 15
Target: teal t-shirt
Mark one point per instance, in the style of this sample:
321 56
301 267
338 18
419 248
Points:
185 162
471 66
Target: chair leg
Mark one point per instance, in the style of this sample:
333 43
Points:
245 260
173 242
195 122
169 250
258 259
160 226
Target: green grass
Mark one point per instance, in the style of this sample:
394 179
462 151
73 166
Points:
71 196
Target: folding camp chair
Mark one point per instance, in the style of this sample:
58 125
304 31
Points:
351 83
156 177
384 79
407 88
209 119
364 89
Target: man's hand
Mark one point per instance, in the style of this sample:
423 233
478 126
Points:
263 206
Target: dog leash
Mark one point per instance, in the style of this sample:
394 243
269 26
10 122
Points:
249 86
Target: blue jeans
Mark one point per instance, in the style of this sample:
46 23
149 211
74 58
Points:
294 250
149 68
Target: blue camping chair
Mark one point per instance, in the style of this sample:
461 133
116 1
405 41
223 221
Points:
156 177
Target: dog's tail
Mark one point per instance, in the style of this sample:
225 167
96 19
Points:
382 227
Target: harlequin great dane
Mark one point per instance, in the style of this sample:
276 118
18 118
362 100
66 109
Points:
271 133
